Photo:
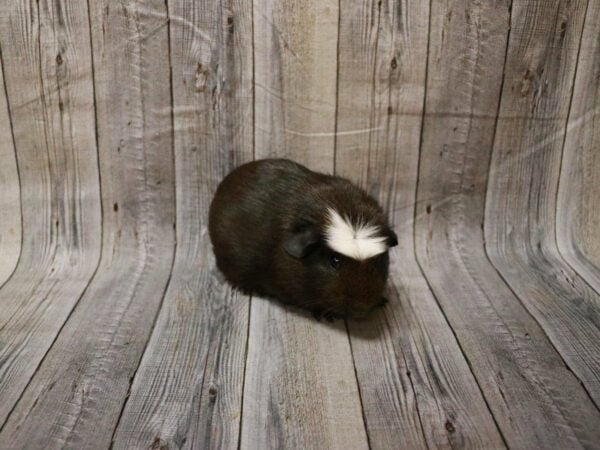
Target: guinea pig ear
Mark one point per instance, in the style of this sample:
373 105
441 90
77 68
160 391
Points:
300 243
392 239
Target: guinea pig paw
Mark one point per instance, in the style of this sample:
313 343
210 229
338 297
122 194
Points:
329 317
317 315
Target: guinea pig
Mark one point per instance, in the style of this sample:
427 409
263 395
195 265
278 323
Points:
312 240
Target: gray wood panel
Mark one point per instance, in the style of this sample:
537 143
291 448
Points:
416 387
521 198
578 208
48 74
295 48
513 360
76 396
300 389
10 201
188 389
119 119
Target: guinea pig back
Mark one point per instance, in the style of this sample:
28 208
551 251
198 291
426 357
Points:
316 241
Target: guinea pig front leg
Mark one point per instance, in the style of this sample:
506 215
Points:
317 314
320 314
329 316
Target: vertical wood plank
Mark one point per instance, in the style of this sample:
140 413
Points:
47 68
295 77
76 396
536 400
188 389
416 387
578 214
300 389
521 197
10 201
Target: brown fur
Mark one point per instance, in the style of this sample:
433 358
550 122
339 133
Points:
266 224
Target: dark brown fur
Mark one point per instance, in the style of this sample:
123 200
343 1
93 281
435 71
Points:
266 224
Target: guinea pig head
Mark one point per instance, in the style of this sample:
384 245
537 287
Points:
342 264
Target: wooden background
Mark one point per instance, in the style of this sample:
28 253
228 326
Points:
475 123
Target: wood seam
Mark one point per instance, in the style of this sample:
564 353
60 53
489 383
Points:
12 133
557 252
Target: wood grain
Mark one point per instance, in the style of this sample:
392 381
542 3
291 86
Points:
416 387
76 396
10 201
521 197
188 389
47 69
474 123
300 389
535 399
577 211
295 47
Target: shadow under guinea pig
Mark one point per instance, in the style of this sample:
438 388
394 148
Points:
282 231
367 328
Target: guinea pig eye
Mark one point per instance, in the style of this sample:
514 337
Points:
335 260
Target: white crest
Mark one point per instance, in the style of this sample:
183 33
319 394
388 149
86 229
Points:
358 241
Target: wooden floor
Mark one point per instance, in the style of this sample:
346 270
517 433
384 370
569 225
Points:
477 126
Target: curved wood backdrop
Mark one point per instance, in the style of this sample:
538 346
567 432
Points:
477 126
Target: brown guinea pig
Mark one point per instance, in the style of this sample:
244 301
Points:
308 239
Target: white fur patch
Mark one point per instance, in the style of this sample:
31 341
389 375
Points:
358 241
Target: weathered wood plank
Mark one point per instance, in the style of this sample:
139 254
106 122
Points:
417 389
521 197
47 69
535 399
188 389
295 79
76 396
578 214
10 201
300 389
